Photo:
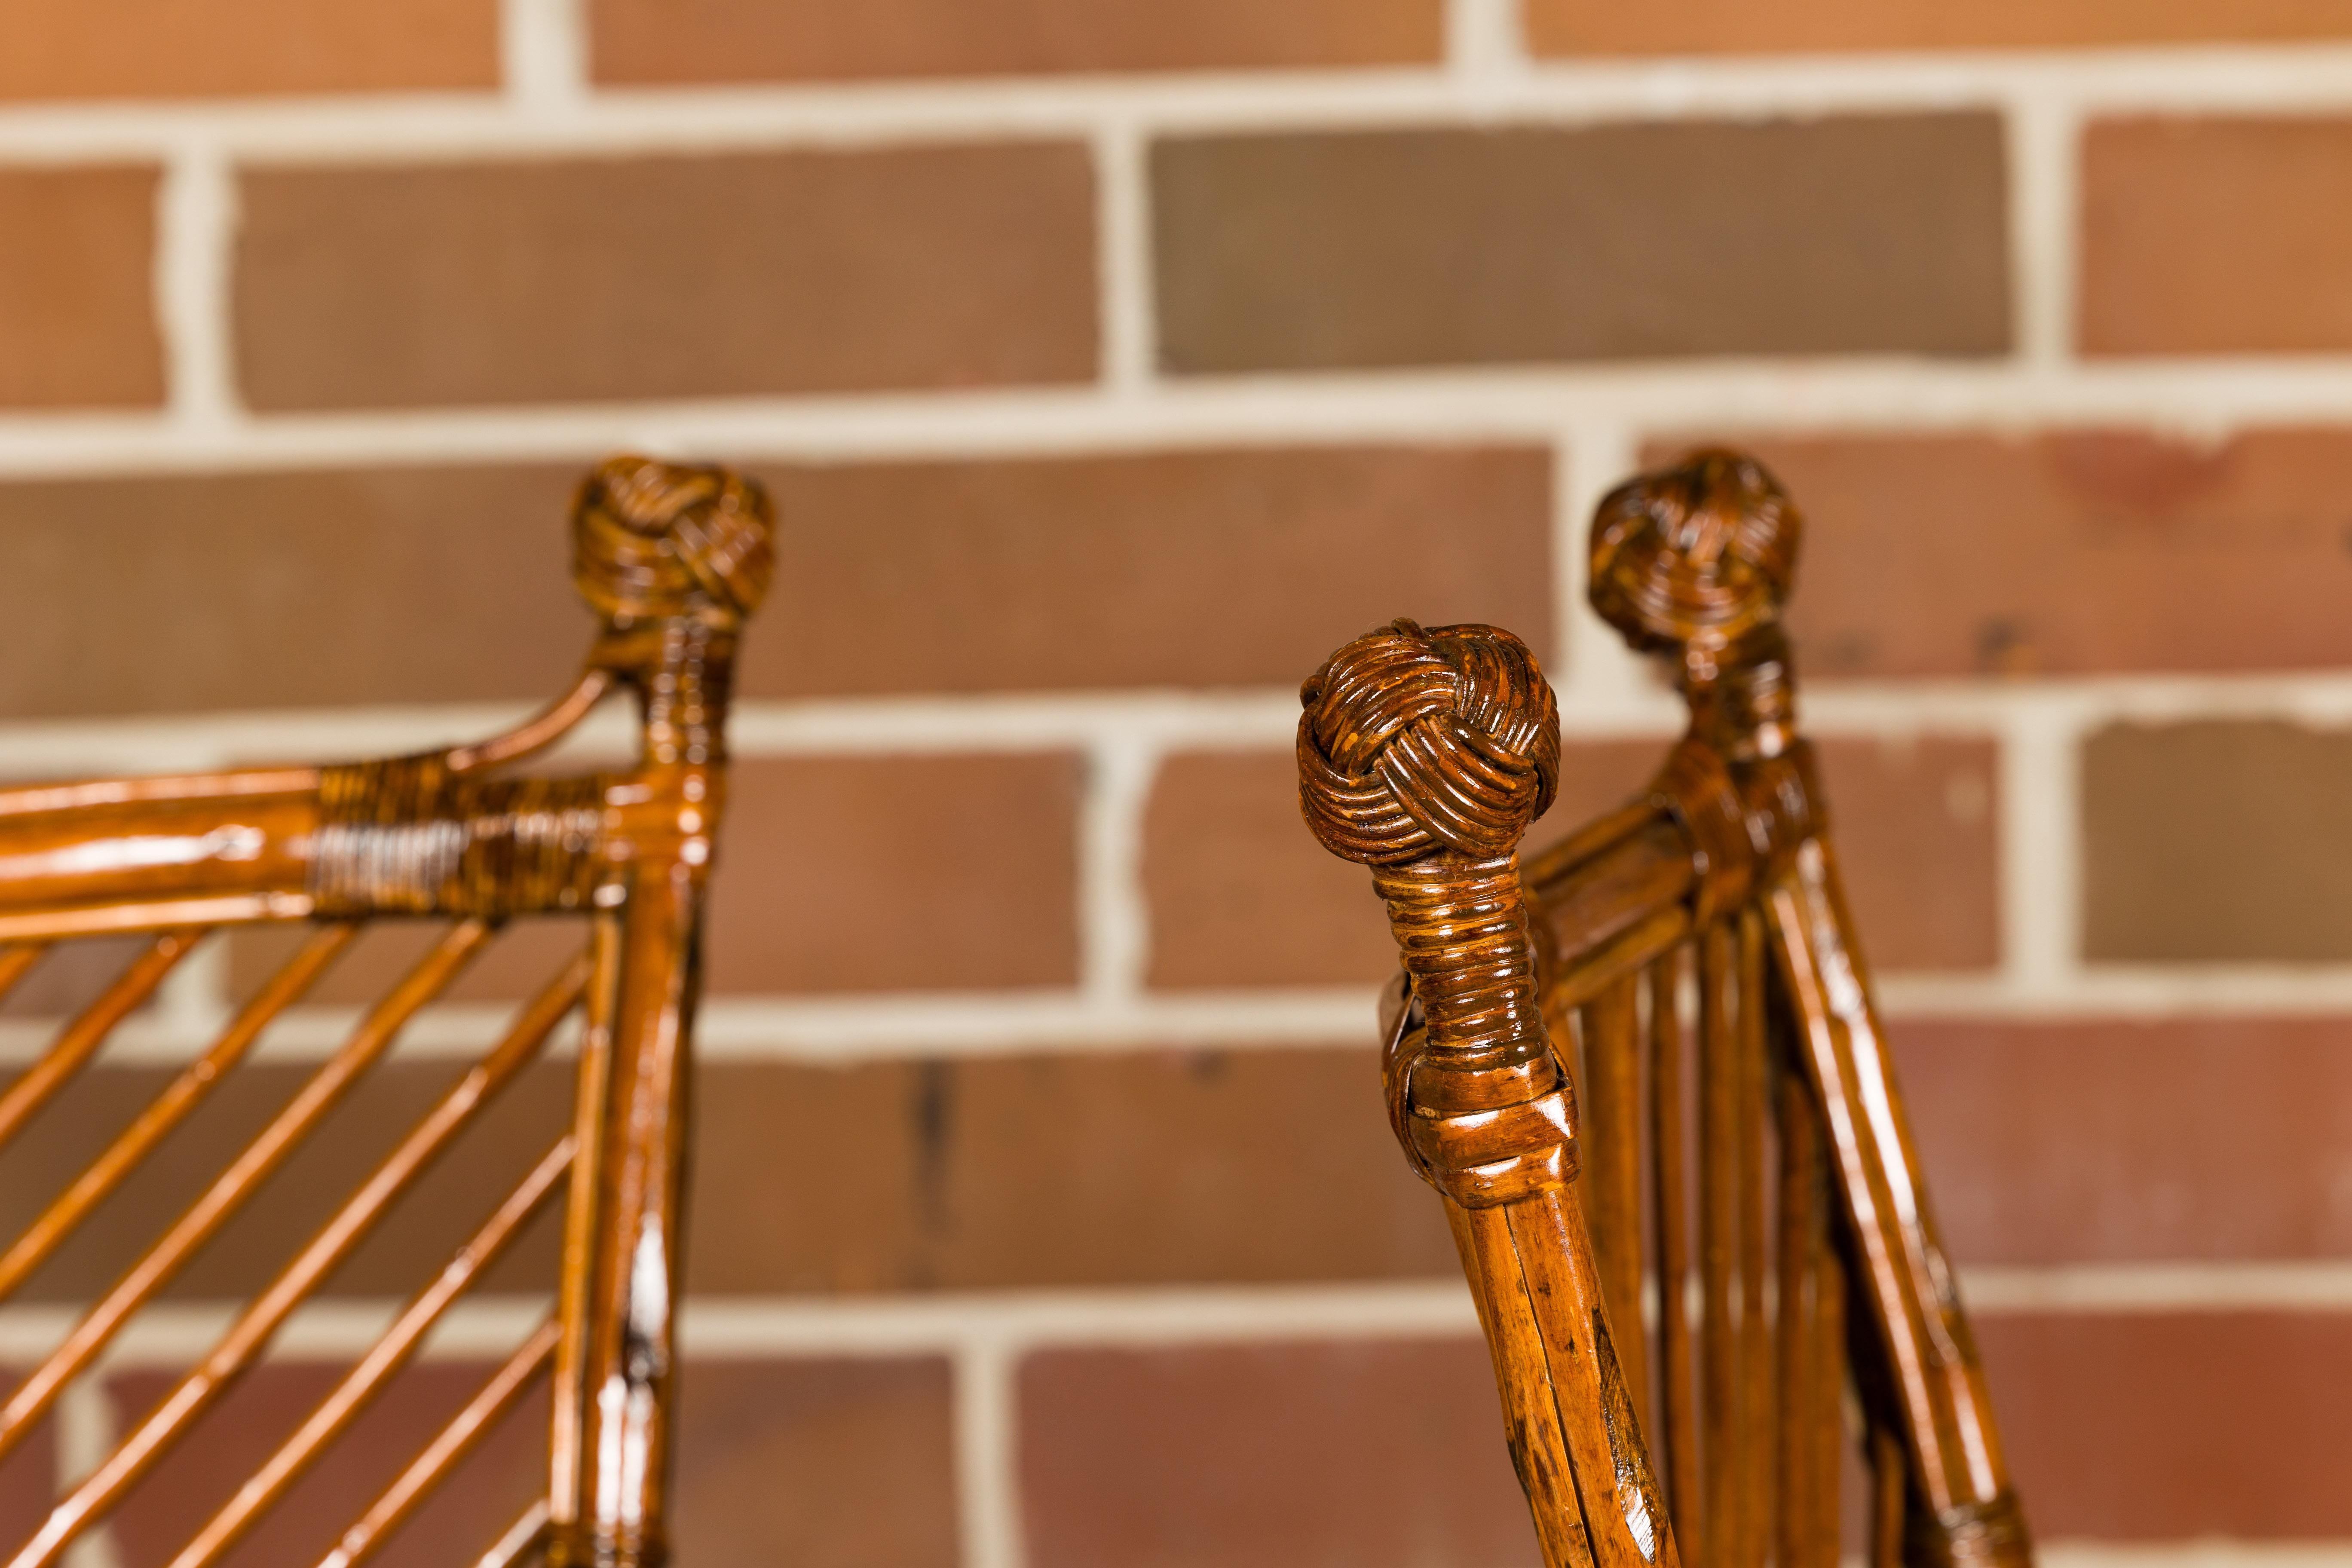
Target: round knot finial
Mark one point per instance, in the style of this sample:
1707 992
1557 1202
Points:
1696 556
1415 741
652 541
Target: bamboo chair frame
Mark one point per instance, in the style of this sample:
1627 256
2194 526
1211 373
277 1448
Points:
1710 906
673 560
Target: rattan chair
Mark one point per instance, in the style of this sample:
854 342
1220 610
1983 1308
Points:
1688 963
673 560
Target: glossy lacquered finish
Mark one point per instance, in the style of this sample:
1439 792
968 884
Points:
1689 963
674 559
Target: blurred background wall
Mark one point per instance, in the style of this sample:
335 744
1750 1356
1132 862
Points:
1111 362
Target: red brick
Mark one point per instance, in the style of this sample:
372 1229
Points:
163 48
2165 1427
529 952
1917 838
2216 841
1078 1169
851 1462
2216 237
1241 894
638 41
27 1476
473 1506
412 1243
1385 1454
2070 553
1081 1169
1743 27
77 325
1356 249
1194 568
920 872
2132 1140
779 272
2124 1427
901 873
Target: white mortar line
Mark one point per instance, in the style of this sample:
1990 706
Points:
1152 720
987 1454
2126 992
195 234
86 1437
1605 687
1486 48
2312 77
2216 1286
1012 1323
173 1336
2208 1552
898 1026
2039 846
2203 399
881 1026
193 999
2044 137
1114 913
1123 228
543 49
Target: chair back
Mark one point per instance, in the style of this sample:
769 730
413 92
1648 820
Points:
1647 1073
673 560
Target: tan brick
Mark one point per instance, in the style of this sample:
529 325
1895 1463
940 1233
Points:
78 324
2133 1141
637 41
1354 249
1071 1169
73 974
165 49
901 873
2216 237
2071 553
1743 27
2154 1426
313 589
1241 894
1381 1453
1195 568
2216 841
785 272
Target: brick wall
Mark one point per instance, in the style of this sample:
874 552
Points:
1111 363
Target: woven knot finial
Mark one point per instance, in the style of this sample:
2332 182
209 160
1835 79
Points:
1415 741
652 541
1696 556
